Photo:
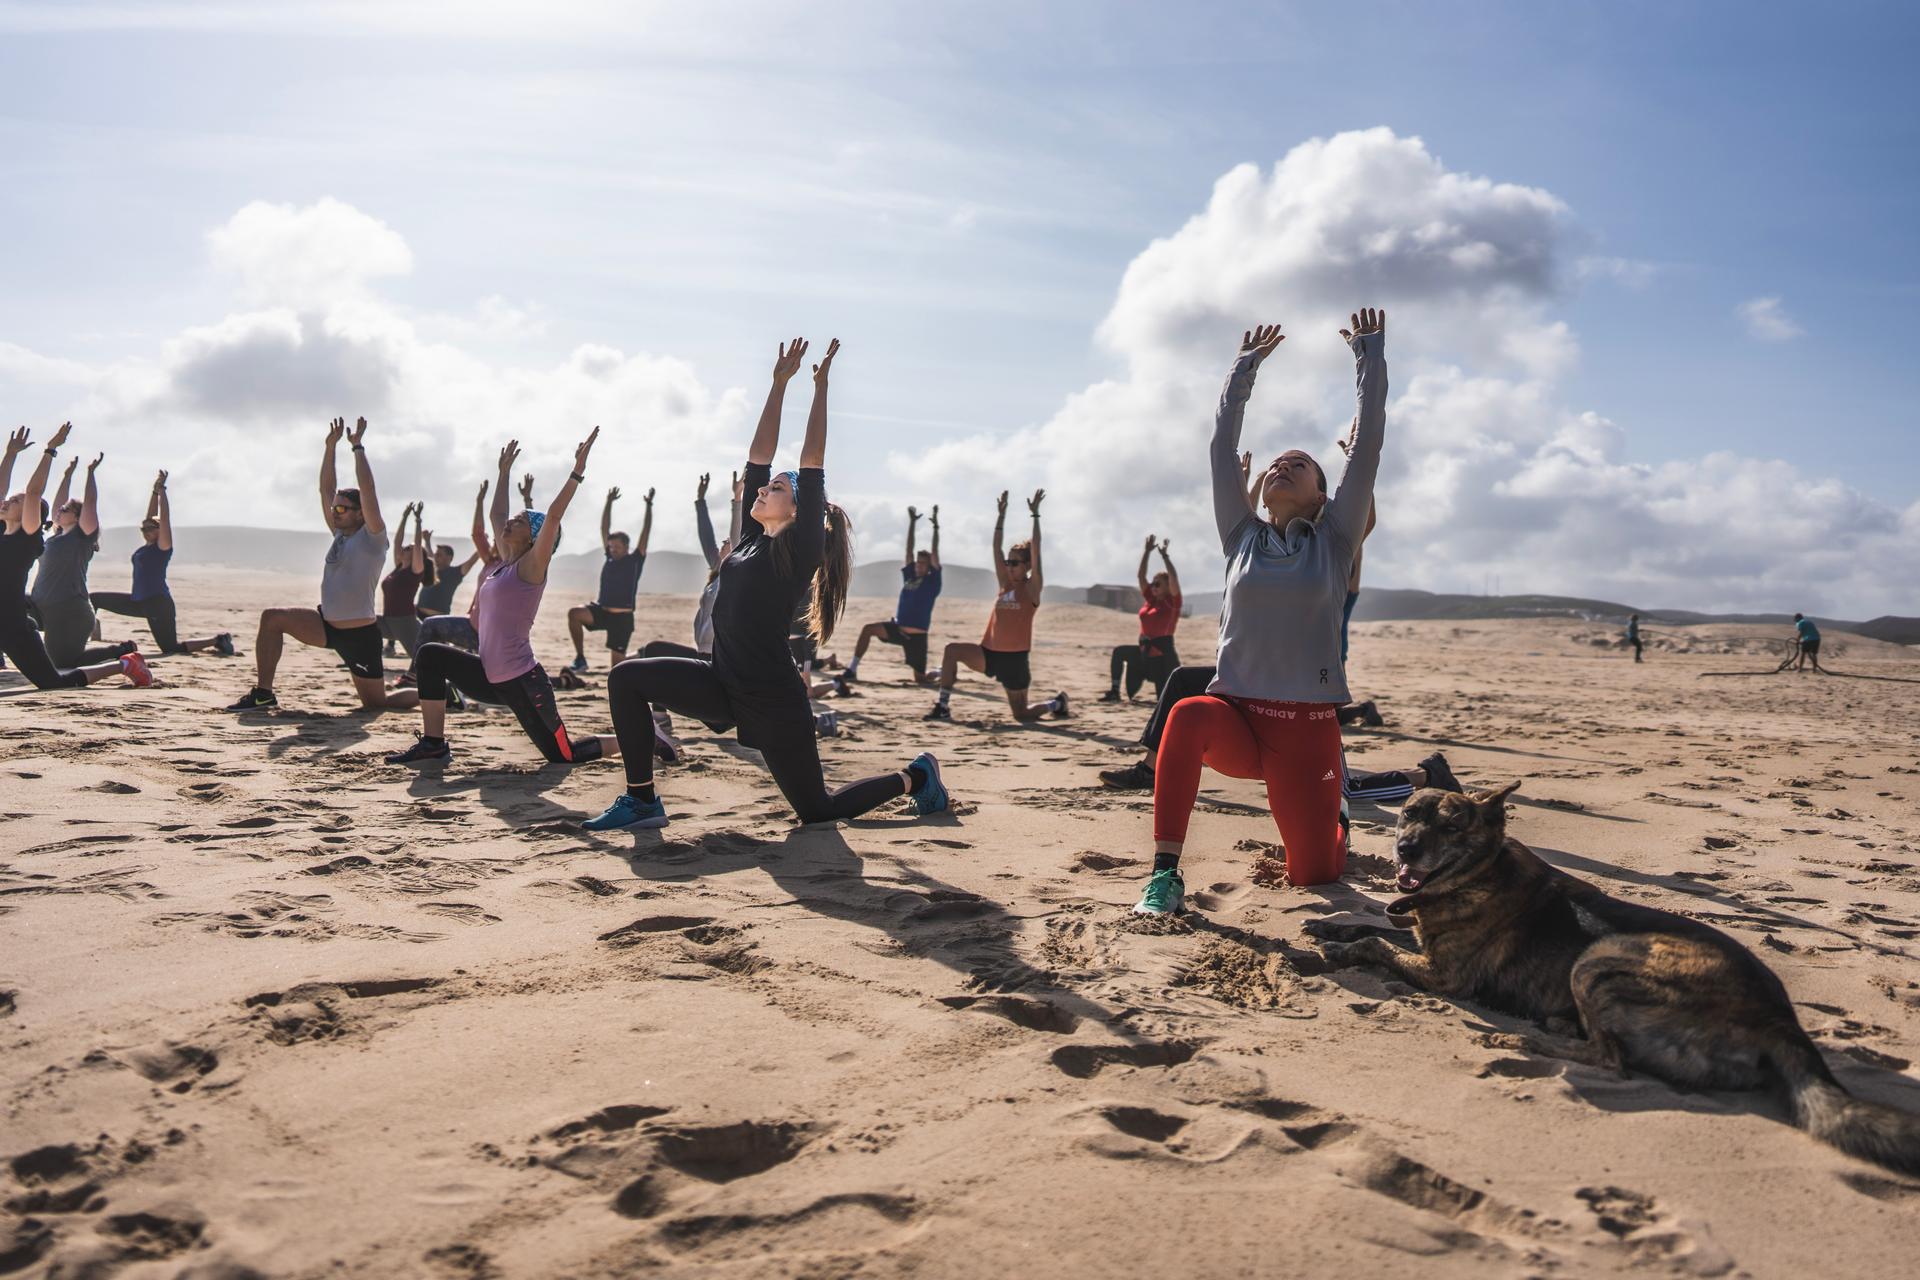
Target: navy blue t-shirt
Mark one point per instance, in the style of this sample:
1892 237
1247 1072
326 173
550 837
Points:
620 580
916 598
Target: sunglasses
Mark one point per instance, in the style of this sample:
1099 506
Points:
340 510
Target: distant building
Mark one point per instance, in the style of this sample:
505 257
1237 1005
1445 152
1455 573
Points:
1126 598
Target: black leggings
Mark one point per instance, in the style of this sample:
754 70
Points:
23 646
530 695
691 687
668 649
157 610
1152 659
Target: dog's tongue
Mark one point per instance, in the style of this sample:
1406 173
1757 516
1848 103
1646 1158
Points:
1408 881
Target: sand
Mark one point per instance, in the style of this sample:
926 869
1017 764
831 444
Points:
273 1008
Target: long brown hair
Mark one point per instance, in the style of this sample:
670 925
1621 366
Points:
834 578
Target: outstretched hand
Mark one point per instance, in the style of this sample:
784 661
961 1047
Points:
736 486
359 432
18 441
788 362
613 494
526 486
60 436
98 458
1365 321
71 464
579 461
1002 505
701 494
508 456
1164 544
160 482
913 515
1260 341
649 491
1033 503
336 428
934 518
826 363
1150 542
426 536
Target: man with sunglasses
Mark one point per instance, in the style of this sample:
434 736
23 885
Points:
347 620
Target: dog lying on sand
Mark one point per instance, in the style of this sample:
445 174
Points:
1650 990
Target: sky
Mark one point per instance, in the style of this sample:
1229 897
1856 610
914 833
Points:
1645 266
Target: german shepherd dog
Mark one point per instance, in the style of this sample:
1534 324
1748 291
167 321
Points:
1651 990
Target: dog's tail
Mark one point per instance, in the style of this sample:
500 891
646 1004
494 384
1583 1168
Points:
1865 1130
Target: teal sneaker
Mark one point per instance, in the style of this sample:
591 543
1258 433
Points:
626 812
932 797
1165 895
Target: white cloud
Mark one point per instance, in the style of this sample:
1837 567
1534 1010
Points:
1767 320
311 256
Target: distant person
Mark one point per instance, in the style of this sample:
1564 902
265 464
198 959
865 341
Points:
1633 635
715 554
1153 657
1807 637
412 570
1002 652
347 621
22 540
446 626
59 597
913 612
436 597
612 612
150 597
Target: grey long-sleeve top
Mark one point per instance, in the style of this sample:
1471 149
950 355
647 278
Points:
703 615
1280 620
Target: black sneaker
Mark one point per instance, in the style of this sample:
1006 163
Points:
256 699
422 750
1440 774
1370 715
223 644
1137 776
1111 695
1060 711
456 699
940 712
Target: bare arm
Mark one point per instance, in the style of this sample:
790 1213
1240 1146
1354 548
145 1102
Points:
533 566
90 500
65 490
606 514
1036 580
999 542
766 436
17 444
400 538
482 546
646 526
733 520
497 513
329 478
417 560
813 449
1141 573
913 522
934 520
1173 574
363 476
37 482
162 509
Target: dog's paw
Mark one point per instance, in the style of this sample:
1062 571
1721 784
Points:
1337 930
1341 955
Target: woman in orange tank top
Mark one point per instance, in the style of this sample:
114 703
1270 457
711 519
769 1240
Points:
1002 651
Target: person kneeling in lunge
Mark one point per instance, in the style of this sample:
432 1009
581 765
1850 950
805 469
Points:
1003 650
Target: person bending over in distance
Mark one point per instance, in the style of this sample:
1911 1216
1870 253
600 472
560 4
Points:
1270 710
412 570
1154 657
150 597
23 517
619 587
913 613
1002 651
792 538
59 600
505 605
1807 644
346 621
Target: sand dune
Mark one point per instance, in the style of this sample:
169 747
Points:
269 1007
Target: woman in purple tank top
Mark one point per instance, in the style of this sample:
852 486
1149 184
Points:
504 607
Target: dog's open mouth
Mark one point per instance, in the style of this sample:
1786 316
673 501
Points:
1409 880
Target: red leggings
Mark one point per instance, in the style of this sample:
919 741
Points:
1295 746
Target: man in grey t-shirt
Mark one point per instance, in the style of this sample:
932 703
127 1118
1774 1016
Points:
347 620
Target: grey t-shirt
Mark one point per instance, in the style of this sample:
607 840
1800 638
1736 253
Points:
354 562
1281 613
63 567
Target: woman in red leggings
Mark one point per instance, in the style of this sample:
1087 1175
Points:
1271 711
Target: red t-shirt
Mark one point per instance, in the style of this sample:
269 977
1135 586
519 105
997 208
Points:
1157 621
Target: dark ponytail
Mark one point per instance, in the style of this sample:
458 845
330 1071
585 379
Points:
834 577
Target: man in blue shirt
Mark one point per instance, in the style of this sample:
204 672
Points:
1808 637
913 615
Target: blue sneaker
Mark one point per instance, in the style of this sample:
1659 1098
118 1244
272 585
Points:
931 798
626 812
578 664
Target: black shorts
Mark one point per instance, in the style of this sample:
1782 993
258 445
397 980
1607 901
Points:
1810 647
915 645
618 626
1010 669
358 647
805 651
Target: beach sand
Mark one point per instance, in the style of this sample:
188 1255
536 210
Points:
273 1008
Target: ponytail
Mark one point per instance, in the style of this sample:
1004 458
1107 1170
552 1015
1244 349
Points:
834 577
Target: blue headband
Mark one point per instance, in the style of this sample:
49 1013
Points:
793 482
534 520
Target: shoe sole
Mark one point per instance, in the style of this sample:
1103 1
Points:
1148 911
638 824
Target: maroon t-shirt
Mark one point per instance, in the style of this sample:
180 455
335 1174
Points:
397 592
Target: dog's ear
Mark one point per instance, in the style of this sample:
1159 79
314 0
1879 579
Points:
1493 804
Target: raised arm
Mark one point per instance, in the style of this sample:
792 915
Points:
16 445
533 566
813 449
400 538
482 545
646 527
363 476
1230 505
1352 502
703 524
999 543
913 522
65 490
162 510
766 436
1173 574
417 559
606 514
933 520
733 519
1146 553
90 499
497 513
37 482
1036 579
329 479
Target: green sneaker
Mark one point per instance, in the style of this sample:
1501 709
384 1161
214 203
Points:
1165 895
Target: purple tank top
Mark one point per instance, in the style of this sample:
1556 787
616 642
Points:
503 613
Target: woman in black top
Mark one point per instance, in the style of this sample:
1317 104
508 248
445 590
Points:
22 517
791 540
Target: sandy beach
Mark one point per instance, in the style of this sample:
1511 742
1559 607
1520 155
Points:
270 1007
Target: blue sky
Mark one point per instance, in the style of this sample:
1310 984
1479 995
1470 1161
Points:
957 192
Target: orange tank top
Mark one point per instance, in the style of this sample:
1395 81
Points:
1010 625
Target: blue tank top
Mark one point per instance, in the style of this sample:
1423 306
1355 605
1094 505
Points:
150 571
